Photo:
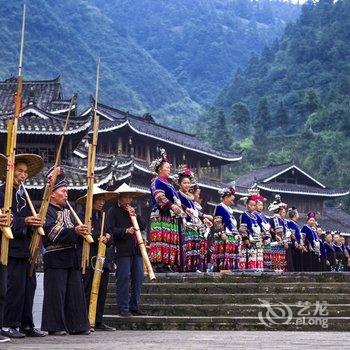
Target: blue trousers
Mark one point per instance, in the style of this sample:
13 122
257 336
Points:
129 276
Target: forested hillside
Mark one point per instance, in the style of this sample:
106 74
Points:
163 57
293 101
201 42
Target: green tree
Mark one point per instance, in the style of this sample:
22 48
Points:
221 137
262 122
281 115
239 122
328 168
262 119
311 101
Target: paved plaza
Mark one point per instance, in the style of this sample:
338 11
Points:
184 340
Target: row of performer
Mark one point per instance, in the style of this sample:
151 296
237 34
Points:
68 289
183 238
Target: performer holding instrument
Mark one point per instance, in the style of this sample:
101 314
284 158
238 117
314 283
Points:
101 253
3 280
129 260
20 286
90 176
16 288
64 306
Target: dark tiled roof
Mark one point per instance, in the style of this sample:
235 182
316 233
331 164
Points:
76 178
81 153
59 106
335 219
46 94
145 125
303 189
260 174
212 184
78 162
75 170
37 121
143 165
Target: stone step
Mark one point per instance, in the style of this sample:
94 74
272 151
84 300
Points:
233 301
244 298
233 310
249 277
226 323
239 287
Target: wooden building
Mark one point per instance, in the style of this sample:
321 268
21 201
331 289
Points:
299 189
135 142
127 144
42 118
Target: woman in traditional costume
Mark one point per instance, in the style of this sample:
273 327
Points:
204 228
251 254
166 218
342 255
265 226
194 227
297 242
311 257
280 235
225 240
191 239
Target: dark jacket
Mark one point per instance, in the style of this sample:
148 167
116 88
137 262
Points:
19 246
118 220
60 240
96 232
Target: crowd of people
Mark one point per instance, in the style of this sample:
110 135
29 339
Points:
67 288
181 238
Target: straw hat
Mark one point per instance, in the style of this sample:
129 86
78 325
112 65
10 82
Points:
34 162
126 189
106 195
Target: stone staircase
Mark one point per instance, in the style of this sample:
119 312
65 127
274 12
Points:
239 301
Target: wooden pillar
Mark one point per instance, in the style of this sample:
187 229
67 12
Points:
174 162
198 167
119 145
148 154
220 172
70 147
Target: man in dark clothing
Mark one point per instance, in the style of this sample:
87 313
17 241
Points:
129 274
3 283
64 306
99 199
20 286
